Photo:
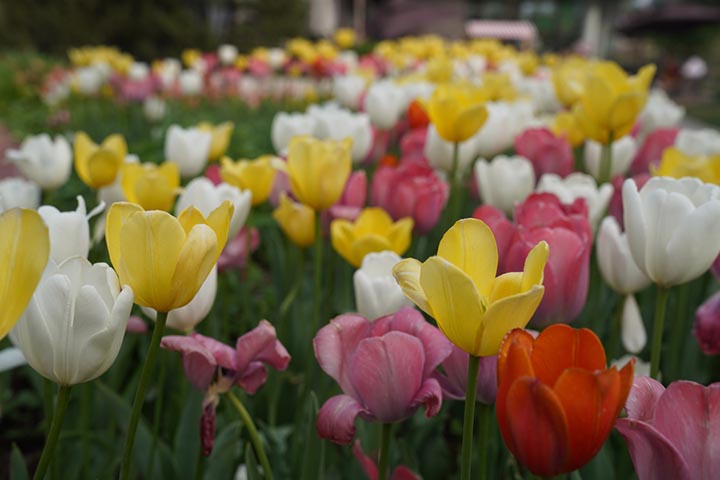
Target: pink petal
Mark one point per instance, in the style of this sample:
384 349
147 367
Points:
207 428
252 378
223 354
644 396
404 473
387 374
261 344
336 419
653 455
430 395
368 465
198 362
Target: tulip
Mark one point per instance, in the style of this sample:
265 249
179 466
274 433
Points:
548 153
43 160
285 126
220 138
579 185
236 252
189 148
384 369
673 432
373 231
440 153
370 467
348 90
206 197
376 292
75 322
24 250
227 54
338 124
416 115
69 231
16 192
623 153
410 190
151 186
255 175
454 381
318 170
505 181
556 410
707 325
565 125
351 201
190 82
296 220
676 164
567 79
384 102
458 288
98 165
704 141
652 149
504 123
154 108
616 203
611 101
660 112
457 112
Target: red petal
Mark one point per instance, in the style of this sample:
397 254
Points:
513 363
560 347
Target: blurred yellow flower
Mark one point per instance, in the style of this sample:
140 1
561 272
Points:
98 165
221 135
676 164
373 231
498 86
255 175
457 111
458 288
565 125
190 56
568 79
528 62
151 186
297 221
345 38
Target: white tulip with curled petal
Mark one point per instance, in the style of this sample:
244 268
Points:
20 193
206 197
579 185
384 102
505 181
43 160
287 125
75 322
188 148
673 227
623 153
69 231
377 293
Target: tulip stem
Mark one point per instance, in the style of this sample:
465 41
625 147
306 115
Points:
455 185
61 404
145 376
484 417
254 436
384 461
317 287
662 297
615 328
606 162
469 420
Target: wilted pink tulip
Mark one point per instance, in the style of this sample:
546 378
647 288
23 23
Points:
383 367
235 254
673 433
615 208
707 325
352 200
650 152
214 367
548 153
410 190
454 381
567 230
370 468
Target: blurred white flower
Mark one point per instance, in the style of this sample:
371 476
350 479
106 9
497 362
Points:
377 293
287 125
188 148
660 112
206 197
43 160
18 192
191 82
348 89
154 108
439 152
693 143
505 181
623 153
384 102
579 185
227 54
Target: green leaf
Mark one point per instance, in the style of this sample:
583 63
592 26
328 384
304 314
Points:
251 464
187 436
18 469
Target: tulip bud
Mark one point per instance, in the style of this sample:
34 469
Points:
69 231
376 291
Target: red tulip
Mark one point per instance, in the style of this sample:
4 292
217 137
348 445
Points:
557 401
548 153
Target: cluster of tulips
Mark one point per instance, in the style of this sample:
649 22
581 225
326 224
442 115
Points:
509 166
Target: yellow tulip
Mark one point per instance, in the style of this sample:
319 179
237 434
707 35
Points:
24 251
255 175
297 221
221 135
458 288
98 165
164 259
568 79
439 70
565 125
611 101
151 186
528 62
190 56
498 86
676 164
372 231
457 111
345 38
318 170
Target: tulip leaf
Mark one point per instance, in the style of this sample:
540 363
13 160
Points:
314 458
251 464
187 435
227 450
18 469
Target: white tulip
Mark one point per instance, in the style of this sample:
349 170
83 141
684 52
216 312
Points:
188 148
334 123
673 227
154 108
227 54
416 90
439 152
505 181
185 318
287 125
348 89
695 143
88 80
69 231
191 82
276 58
138 71
43 160
660 112
376 292
579 185
10 358
633 332
384 103
18 192
623 153
206 197
617 266
505 121
168 70
541 91
75 322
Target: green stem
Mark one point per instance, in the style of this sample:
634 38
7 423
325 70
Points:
678 333
157 415
384 461
317 286
606 162
252 431
47 391
467 439
145 376
484 417
455 187
662 297
85 427
60 407
615 328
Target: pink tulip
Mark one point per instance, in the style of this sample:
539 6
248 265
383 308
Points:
410 190
674 432
384 369
707 325
235 254
715 268
369 466
650 152
352 200
615 208
212 172
412 145
548 153
567 230
454 381
214 367
136 325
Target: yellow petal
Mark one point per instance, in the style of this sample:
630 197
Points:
535 266
190 217
102 168
116 144
372 220
296 220
407 274
400 235
364 245
116 218
506 285
196 259
83 147
219 221
342 237
469 122
623 113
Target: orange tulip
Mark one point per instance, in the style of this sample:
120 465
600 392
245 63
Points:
556 400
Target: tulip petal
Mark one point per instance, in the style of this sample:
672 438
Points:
643 398
560 347
689 241
535 265
430 395
336 419
194 263
654 456
117 217
199 364
513 363
469 121
407 274
261 344
252 378
399 235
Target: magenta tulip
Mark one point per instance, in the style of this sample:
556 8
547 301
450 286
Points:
650 152
548 153
370 468
454 381
707 325
674 432
384 369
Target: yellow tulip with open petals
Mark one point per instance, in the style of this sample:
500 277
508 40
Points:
165 259
318 170
373 231
24 251
255 175
676 164
220 141
98 165
612 100
151 186
458 287
457 111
